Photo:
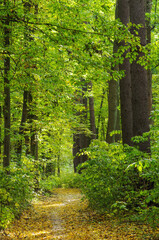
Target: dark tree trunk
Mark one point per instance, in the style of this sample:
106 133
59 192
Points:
33 132
118 121
84 138
76 150
31 141
80 138
100 112
113 98
125 82
112 103
6 107
140 100
22 125
149 74
92 114
0 133
58 165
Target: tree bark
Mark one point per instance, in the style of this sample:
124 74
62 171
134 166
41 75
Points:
76 150
6 107
149 74
0 133
140 100
112 103
113 98
100 112
118 121
84 138
92 114
22 125
125 82
31 140
80 138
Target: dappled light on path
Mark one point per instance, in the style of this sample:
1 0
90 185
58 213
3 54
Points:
64 215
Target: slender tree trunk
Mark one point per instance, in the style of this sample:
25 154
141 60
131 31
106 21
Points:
112 103
33 132
125 82
6 107
92 114
76 150
22 125
58 165
113 98
0 134
80 138
84 138
33 138
149 74
118 122
100 112
140 100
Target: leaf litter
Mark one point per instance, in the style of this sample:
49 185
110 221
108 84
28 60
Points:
64 215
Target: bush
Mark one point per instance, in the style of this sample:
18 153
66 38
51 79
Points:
117 178
15 192
66 180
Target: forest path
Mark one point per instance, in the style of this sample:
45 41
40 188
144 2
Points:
64 215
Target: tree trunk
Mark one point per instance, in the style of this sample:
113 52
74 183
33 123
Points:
84 138
125 82
22 125
140 100
33 138
6 107
0 134
118 121
113 98
76 150
149 74
100 112
112 103
92 115
80 138
58 165
33 132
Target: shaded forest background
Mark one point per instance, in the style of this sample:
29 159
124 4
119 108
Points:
79 85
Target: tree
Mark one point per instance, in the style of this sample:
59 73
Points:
92 114
113 99
125 81
140 109
80 138
149 74
6 107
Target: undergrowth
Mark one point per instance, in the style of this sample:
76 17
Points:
122 180
16 191
66 180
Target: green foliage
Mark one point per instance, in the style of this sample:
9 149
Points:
15 192
67 180
118 178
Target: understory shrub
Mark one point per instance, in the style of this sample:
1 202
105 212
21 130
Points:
16 192
66 180
117 178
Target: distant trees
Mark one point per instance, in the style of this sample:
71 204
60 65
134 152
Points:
82 136
50 55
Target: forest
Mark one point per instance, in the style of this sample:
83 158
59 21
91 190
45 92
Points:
79 104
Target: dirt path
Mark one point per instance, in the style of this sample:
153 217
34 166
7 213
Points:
65 216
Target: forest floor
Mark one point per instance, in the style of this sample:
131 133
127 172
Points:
63 215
